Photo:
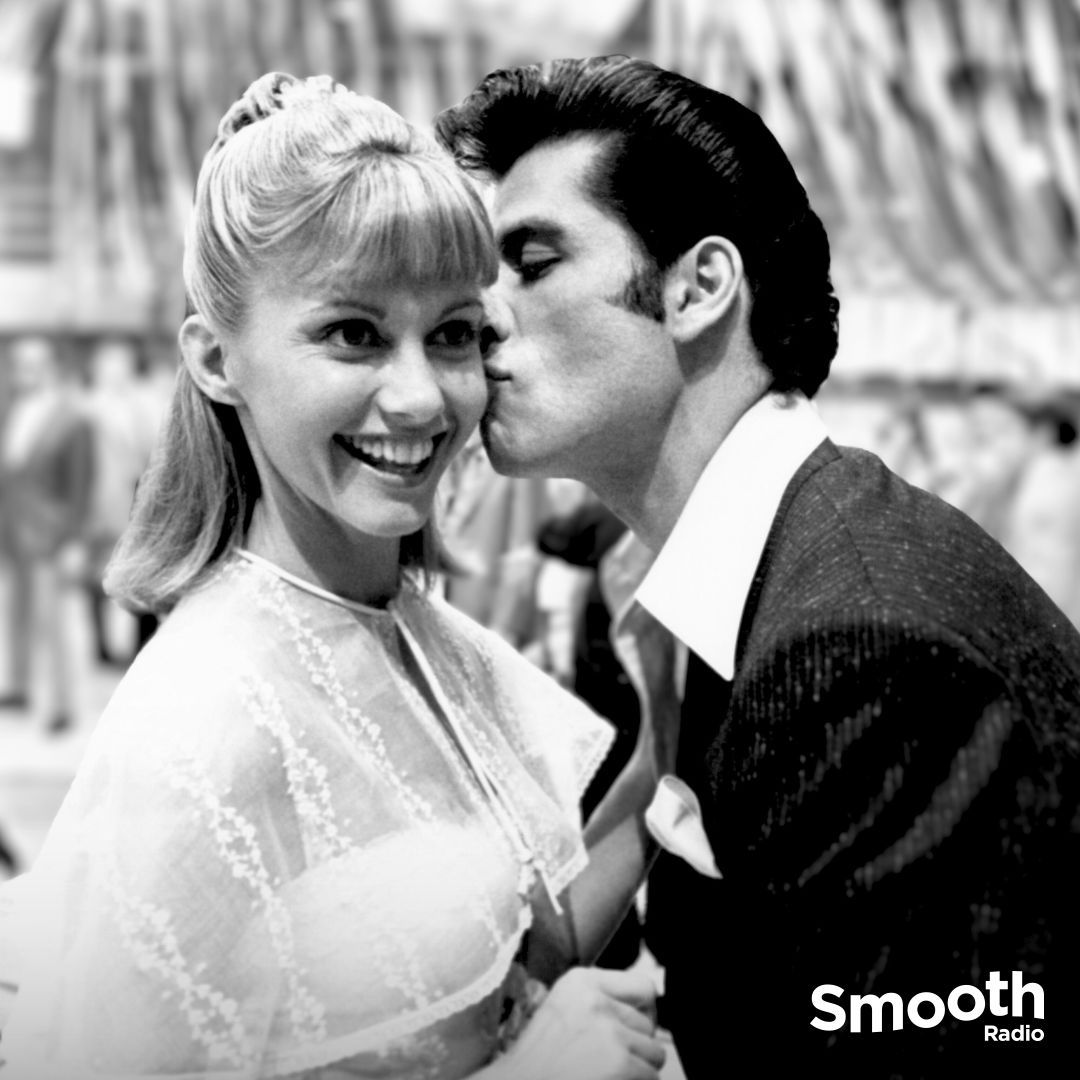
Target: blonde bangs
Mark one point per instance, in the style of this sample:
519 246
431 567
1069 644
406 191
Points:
406 218
339 184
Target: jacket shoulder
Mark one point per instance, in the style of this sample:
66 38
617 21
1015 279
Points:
858 552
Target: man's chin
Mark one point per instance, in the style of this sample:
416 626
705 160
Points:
503 453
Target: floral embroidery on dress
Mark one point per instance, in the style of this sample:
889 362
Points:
329 865
317 660
306 774
237 843
148 934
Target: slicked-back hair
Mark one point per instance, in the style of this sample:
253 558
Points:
677 162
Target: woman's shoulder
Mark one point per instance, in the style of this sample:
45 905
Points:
186 686
232 616
208 629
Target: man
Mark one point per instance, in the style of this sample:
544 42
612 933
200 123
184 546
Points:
46 469
880 711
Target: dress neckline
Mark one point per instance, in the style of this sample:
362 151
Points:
316 590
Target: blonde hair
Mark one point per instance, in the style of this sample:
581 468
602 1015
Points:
308 170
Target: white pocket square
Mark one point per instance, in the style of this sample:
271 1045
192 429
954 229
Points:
674 819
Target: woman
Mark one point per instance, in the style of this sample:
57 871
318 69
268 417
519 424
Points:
323 810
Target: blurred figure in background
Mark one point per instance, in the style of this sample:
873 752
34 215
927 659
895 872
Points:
1043 530
489 525
124 424
45 479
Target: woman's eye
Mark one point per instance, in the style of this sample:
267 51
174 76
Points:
459 334
354 334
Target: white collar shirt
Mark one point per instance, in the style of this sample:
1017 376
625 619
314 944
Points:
698 584
694 592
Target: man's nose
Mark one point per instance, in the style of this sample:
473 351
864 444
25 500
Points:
497 320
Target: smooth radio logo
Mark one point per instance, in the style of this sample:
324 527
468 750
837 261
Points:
927 1010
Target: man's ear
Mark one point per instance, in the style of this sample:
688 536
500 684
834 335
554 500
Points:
204 356
702 287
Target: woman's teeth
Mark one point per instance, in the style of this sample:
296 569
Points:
389 455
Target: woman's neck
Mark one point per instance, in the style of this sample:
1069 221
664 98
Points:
341 560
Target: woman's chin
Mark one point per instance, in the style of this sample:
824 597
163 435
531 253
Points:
391 526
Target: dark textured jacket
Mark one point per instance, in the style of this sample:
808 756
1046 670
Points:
891 787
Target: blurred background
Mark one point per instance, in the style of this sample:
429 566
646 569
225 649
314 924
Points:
939 141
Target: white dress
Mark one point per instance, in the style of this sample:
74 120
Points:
280 856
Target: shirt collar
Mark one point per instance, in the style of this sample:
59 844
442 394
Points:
698 584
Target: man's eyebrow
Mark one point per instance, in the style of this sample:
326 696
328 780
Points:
544 230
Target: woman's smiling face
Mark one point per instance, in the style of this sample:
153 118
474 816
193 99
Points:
354 396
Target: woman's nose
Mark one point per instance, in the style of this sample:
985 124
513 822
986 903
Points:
410 388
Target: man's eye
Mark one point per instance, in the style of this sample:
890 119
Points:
458 334
354 334
534 259
535 268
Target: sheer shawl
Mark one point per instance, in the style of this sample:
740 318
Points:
278 855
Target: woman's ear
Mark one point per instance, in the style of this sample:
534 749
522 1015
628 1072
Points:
204 356
702 287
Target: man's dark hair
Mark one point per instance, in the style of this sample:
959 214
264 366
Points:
677 162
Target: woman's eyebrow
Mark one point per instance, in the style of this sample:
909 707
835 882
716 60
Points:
459 305
351 300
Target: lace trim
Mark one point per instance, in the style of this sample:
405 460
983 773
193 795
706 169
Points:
569 870
590 760
400 1027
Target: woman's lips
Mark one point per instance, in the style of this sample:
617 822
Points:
395 457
